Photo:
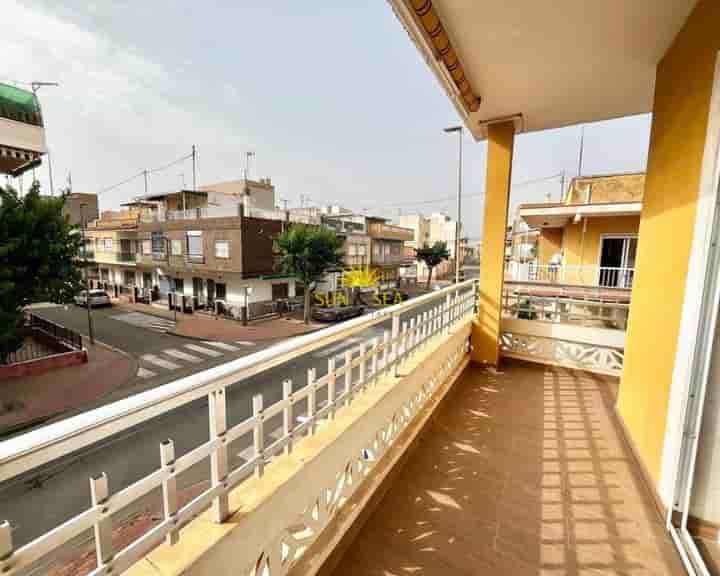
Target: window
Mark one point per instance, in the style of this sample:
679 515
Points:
108 244
158 243
146 244
220 291
194 245
176 247
352 250
179 285
280 291
361 249
222 249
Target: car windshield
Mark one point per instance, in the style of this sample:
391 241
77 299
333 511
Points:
97 293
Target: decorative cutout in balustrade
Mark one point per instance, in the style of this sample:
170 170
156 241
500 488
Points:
277 558
563 353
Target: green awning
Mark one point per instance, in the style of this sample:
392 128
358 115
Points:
19 105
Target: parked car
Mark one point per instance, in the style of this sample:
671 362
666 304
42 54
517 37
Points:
97 298
337 314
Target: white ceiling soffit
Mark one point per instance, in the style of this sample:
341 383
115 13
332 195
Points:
555 63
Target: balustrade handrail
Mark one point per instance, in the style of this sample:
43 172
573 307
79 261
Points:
37 447
376 357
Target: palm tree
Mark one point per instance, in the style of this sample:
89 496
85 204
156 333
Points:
432 256
307 252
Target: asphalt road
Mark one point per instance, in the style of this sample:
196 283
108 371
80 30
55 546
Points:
111 326
44 498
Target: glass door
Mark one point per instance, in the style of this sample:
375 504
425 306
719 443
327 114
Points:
694 519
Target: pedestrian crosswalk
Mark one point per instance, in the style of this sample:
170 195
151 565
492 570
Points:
147 321
192 354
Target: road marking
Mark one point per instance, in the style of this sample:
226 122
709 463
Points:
152 359
182 355
244 343
223 346
333 349
145 321
145 373
206 351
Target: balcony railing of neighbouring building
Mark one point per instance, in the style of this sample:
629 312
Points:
431 329
606 276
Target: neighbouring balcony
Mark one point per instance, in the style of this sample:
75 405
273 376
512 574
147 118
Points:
602 276
102 257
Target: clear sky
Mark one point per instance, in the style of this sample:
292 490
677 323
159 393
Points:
332 97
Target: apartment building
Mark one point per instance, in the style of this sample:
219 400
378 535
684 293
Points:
589 238
427 230
214 244
387 250
111 245
81 207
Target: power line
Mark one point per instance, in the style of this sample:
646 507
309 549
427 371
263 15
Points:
476 195
144 173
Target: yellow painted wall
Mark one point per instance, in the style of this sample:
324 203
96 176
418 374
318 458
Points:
586 252
486 329
682 100
549 243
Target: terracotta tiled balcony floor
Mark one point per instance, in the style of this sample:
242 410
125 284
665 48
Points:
523 473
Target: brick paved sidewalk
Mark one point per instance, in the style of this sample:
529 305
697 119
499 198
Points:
33 399
196 326
204 327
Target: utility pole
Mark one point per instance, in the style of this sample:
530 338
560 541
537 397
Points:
50 177
145 176
35 87
87 281
562 185
582 147
194 154
458 224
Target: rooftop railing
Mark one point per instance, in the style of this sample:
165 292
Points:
413 325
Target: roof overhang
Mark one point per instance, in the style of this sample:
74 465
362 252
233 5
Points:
544 64
559 215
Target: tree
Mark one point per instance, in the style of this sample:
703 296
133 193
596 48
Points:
307 252
38 258
432 256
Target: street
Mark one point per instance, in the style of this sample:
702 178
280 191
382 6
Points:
161 357
41 500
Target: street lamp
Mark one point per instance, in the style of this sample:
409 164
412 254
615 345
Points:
87 280
459 131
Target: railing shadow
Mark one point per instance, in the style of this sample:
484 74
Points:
523 472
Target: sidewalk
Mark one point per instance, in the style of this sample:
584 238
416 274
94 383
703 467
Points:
33 399
203 327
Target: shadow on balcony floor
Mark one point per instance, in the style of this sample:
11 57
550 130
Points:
524 472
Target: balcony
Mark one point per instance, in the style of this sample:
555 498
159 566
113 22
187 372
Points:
102 257
195 258
385 231
273 461
523 473
600 276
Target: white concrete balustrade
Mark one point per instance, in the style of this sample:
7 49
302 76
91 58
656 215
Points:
294 483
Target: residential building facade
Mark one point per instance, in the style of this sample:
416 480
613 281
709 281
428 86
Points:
427 230
590 238
213 250
81 207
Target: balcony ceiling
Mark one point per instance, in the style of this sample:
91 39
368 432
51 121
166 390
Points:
557 63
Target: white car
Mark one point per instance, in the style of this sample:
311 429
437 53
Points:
97 298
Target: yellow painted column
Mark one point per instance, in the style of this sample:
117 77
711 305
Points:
486 329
